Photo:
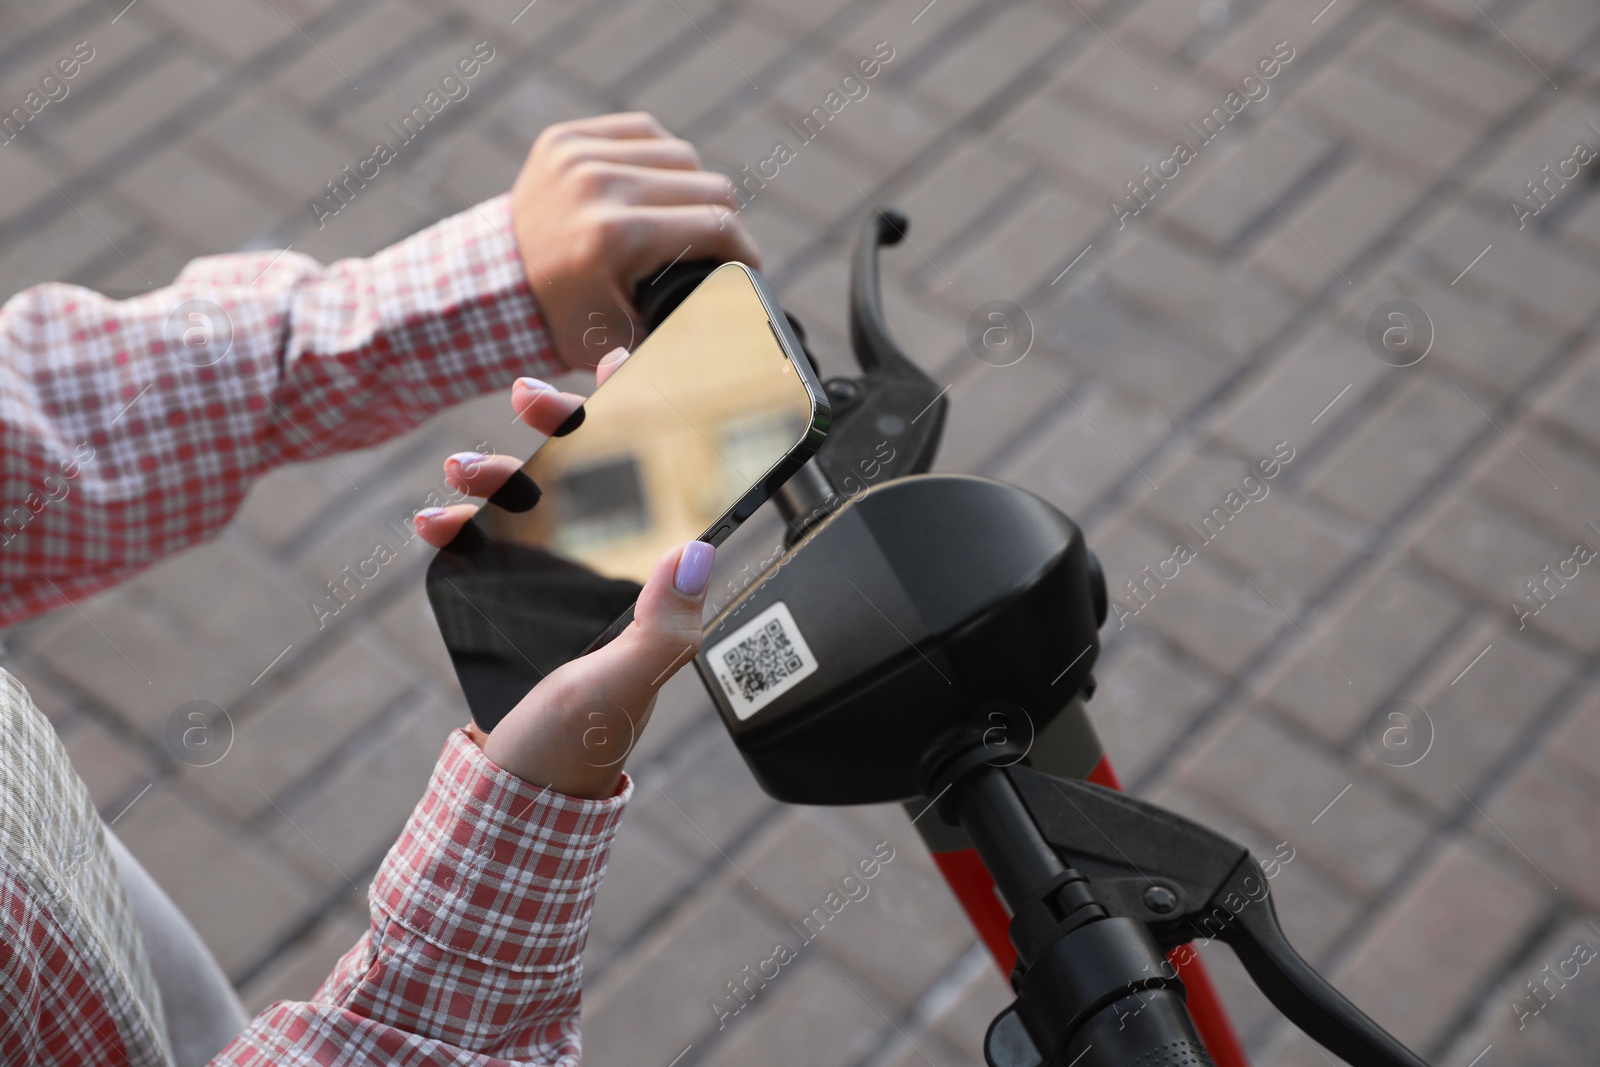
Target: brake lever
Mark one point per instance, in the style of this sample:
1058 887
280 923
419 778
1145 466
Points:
1184 881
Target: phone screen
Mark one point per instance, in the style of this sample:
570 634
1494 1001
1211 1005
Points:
701 423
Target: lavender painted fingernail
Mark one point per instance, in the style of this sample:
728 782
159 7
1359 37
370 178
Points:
469 460
694 568
534 383
429 514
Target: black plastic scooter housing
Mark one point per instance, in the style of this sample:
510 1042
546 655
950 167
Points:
984 601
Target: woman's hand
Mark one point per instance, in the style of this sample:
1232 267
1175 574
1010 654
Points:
574 729
604 202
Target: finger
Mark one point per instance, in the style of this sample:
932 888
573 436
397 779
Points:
609 364
665 633
618 124
439 526
478 475
543 406
670 153
693 232
654 185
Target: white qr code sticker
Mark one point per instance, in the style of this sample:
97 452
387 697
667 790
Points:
762 660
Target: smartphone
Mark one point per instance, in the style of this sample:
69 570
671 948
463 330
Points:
708 416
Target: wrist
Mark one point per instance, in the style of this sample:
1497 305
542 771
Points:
582 782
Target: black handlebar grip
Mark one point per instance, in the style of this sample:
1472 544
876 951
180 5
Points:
1148 1028
664 289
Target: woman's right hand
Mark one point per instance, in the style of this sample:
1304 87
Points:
574 729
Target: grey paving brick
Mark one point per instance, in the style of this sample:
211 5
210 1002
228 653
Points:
272 137
1491 551
1112 81
1220 204
341 826
1422 961
115 653
228 590
1098 335
821 181
113 770
708 799
911 36
66 244
1289 547
1144 701
1253 765
966 75
1165 25
1568 403
1478 720
886 121
1481 77
1414 428
1245 42
1335 225
1549 282
1561 1028
995 402
646 874
402 88
631 37
960 186
1087 450
1511 823
1021 252
1576 745
240 898
233 32
314 77
663 1001
1547 140
199 203
304 965
1209 613
821 1021
314 713
1378 631
1551 30
1491 341
25 177
705 75
1092 153
1385 122
900 923
287 500
980 992
1225 306
113 120
1302 394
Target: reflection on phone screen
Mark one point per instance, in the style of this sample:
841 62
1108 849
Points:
701 413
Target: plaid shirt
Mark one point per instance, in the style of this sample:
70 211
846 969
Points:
132 429
479 915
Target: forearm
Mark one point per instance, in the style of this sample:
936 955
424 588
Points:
483 905
126 439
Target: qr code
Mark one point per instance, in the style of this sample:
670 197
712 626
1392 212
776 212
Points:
761 660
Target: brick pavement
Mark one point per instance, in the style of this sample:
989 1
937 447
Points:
1225 317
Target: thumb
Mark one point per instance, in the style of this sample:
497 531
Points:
665 633
574 729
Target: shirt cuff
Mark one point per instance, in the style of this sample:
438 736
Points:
495 869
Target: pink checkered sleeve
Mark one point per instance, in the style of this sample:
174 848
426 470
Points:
131 429
479 916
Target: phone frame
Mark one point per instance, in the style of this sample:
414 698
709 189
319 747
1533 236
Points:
768 484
